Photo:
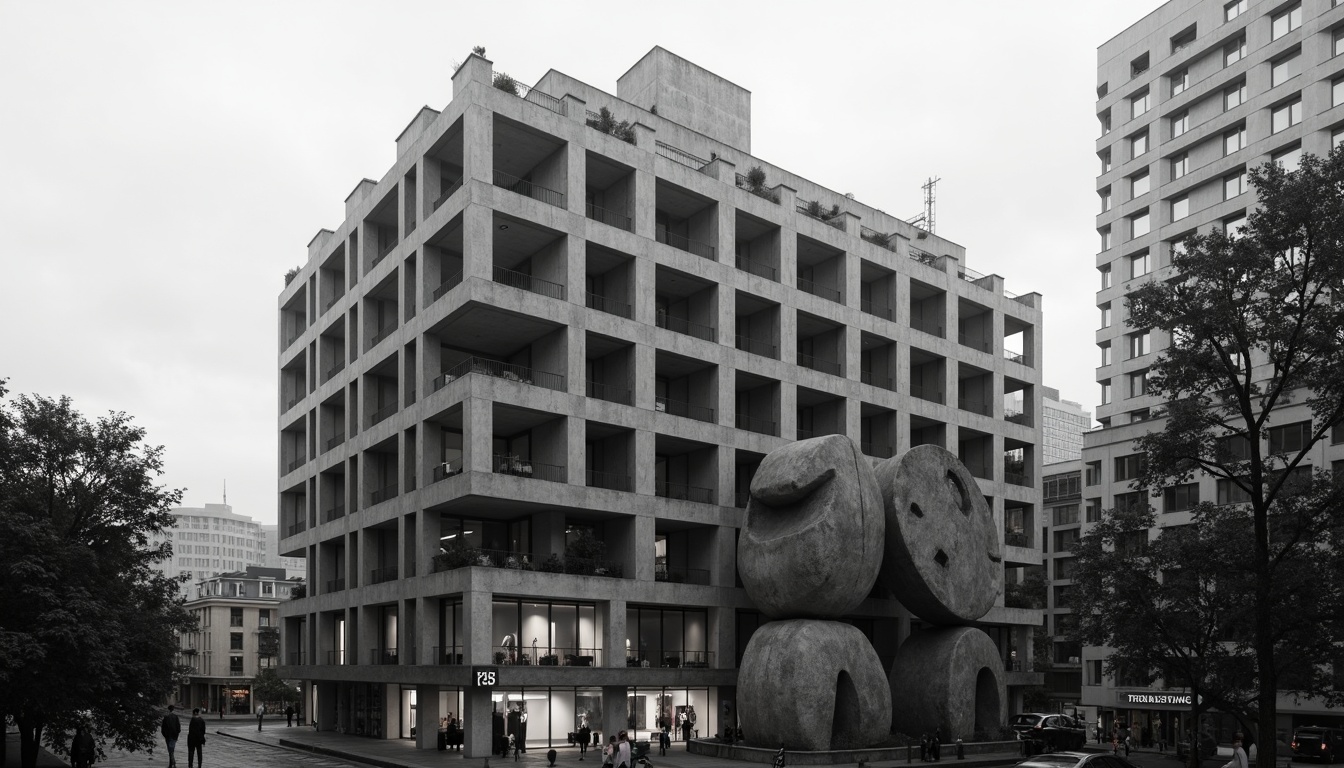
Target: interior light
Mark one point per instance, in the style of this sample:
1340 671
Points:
503 226
449 536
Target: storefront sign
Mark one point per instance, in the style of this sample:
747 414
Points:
1168 699
484 677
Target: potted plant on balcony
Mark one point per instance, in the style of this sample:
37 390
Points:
505 83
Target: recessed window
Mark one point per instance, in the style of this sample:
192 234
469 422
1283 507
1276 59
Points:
1140 264
1180 123
1234 140
1139 225
1285 21
1139 103
1105 353
1138 144
1290 437
1183 40
1234 96
1289 159
1105 195
1180 165
1140 344
1179 82
1105 315
1234 51
1105 157
1234 9
1285 69
1337 44
1180 498
1129 467
1139 185
1105 233
1105 119
1234 185
1138 384
1103 89
1138 66
1337 92
1105 271
1105 391
1180 207
1233 225
1337 138
1285 116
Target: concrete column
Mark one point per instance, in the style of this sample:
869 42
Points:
476 69
476 739
788 409
426 716
477 433
576 179
326 707
725 556
478 618
901 440
645 203
478 242
644 457
611 615
723 637
614 706
575 431
548 534
478 136
426 541
576 338
788 264
428 614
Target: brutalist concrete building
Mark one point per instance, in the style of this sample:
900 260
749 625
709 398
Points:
525 384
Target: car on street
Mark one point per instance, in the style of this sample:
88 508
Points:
1075 760
1048 732
1317 743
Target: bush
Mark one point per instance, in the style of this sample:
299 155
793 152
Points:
290 275
506 83
456 555
479 51
552 564
756 178
606 123
298 591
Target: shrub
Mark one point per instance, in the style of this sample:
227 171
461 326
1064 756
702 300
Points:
506 83
479 51
456 555
552 564
606 123
756 178
298 591
815 210
290 275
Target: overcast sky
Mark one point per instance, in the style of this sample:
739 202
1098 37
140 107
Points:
164 164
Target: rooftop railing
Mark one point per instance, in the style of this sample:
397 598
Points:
528 93
836 222
682 242
528 189
877 238
680 156
526 282
923 257
611 218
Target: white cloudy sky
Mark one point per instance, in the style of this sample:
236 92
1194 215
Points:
164 164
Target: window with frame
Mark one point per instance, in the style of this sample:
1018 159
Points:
235 665
1065 541
1285 68
1234 9
1180 207
1176 247
1105 315
1105 233
1337 42
1234 51
1131 500
1105 348
1105 391
1128 467
1180 498
1140 264
1140 414
1289 159
1179 81
1183 40
1139 103
1337 92
1105 119
1285 21
1140 344
1231 493
1092 474
235 641
1138 144
1180 165
235 617
1285 116
1139 224
1337 433
1139 65
1233 225
1234 140
1139 184
1138 383
1290 438
1234 96
1105 195
1180 123
1234 184
1232 448
1105 160
1092 510
1105 271
1337 138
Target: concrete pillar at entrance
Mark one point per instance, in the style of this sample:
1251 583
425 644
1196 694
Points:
326 707
614 711
476 737
427 716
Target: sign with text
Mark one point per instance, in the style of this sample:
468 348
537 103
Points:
484 677
1160 698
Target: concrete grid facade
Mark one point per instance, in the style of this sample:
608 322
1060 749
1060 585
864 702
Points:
1189 98
530 330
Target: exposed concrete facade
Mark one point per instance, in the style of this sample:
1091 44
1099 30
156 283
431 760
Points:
528 329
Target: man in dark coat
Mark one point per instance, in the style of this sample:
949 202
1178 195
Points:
195 738
171 729
289 715
82 749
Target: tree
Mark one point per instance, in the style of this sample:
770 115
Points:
1256 331
268 686
88 631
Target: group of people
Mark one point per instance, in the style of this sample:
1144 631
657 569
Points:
452 732
171 728
931 746
619 752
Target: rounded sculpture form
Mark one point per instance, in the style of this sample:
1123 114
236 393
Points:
949 678
812 546
813 685
943 560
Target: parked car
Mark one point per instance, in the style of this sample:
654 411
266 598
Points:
1317 743
1049 732
1075 760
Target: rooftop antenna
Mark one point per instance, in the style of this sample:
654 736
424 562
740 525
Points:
226 493
925 220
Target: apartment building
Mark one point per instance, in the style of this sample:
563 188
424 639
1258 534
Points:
210 540
1188 99
566 316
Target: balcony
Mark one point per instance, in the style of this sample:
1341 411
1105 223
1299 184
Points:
610 218
515 279
680 156
885 313
816 289
758 268
684 492
519 467
446 470
930 327
380 575
335 440
383 656
500 370
382 413
681 575
813 210
975 342
447 193
820 364
612 481
528 189
296 528
298 461
335 585
1016 357
877 238
447 285
449 654
609 393
760 426
923 257
383 494
381 334
687 327
1017 417
679 408
671 659
757 347
335 369
975 406
877 451
335 513
462 556
881 382
610 306
927 393
382 253
703 250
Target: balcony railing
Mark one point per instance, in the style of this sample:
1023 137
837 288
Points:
519 467
298 461
528 189
753 424
761 192
975 342
883 312
297 658
383 494
681 575
604 304
335 585
543 100
816 289
294 401
1017 417
613 481
500 370
449 654
827 219
1016 539
1016 477
688 327
684 492
447 469
383 656
670 659
335 513
611 218
758 268
609 393
679 408
545 656
382 413
335 440
757 347
447 193
335 657
927 393
379 575
876 450
703 250
975 406
526 282
877 238
821 364
452 282
335 369
923 257
297 528
680 156
382 253
881 382
381 334
931 327
1016 357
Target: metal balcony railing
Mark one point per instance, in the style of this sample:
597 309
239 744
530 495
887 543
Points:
382 413
757 347
609 393
382 253
526 282
679 408
612 481
927 393
383 494
335 657
680 156
297 528
975 405
610 306
447 469
1017 417
884 312
335 369
881 382
758 268
1016 478
670 659
816 289
383 656
381 334
335 585
875 450
687 327
877 238
379 575
923 258
449 654
684 492
931 327
452 282
975 342
294 401
520 467
528 189
753 424
335 440
1016 357
447 193
335 513
682 242
298 461
821 364
681 575
500 370
611 218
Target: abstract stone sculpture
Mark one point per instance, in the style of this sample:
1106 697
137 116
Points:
948 677
813 543
943 560
813 685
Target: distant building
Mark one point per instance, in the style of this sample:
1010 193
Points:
238 635
1064 423
214 539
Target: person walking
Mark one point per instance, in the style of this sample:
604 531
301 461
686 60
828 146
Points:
936 745
1239 759
171 728
622 757
82 748
289 715
195 738
585 736
665 740
261 712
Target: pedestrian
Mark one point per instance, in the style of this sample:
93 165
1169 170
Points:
517 744
1161 738
609 752
1239 759
622 757
289 715
82 749
585 736
665 739
171 729
936 746
261 712
195 738
924 747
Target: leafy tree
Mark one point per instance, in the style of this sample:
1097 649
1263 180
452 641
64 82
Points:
88 631
268 686
1255 325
